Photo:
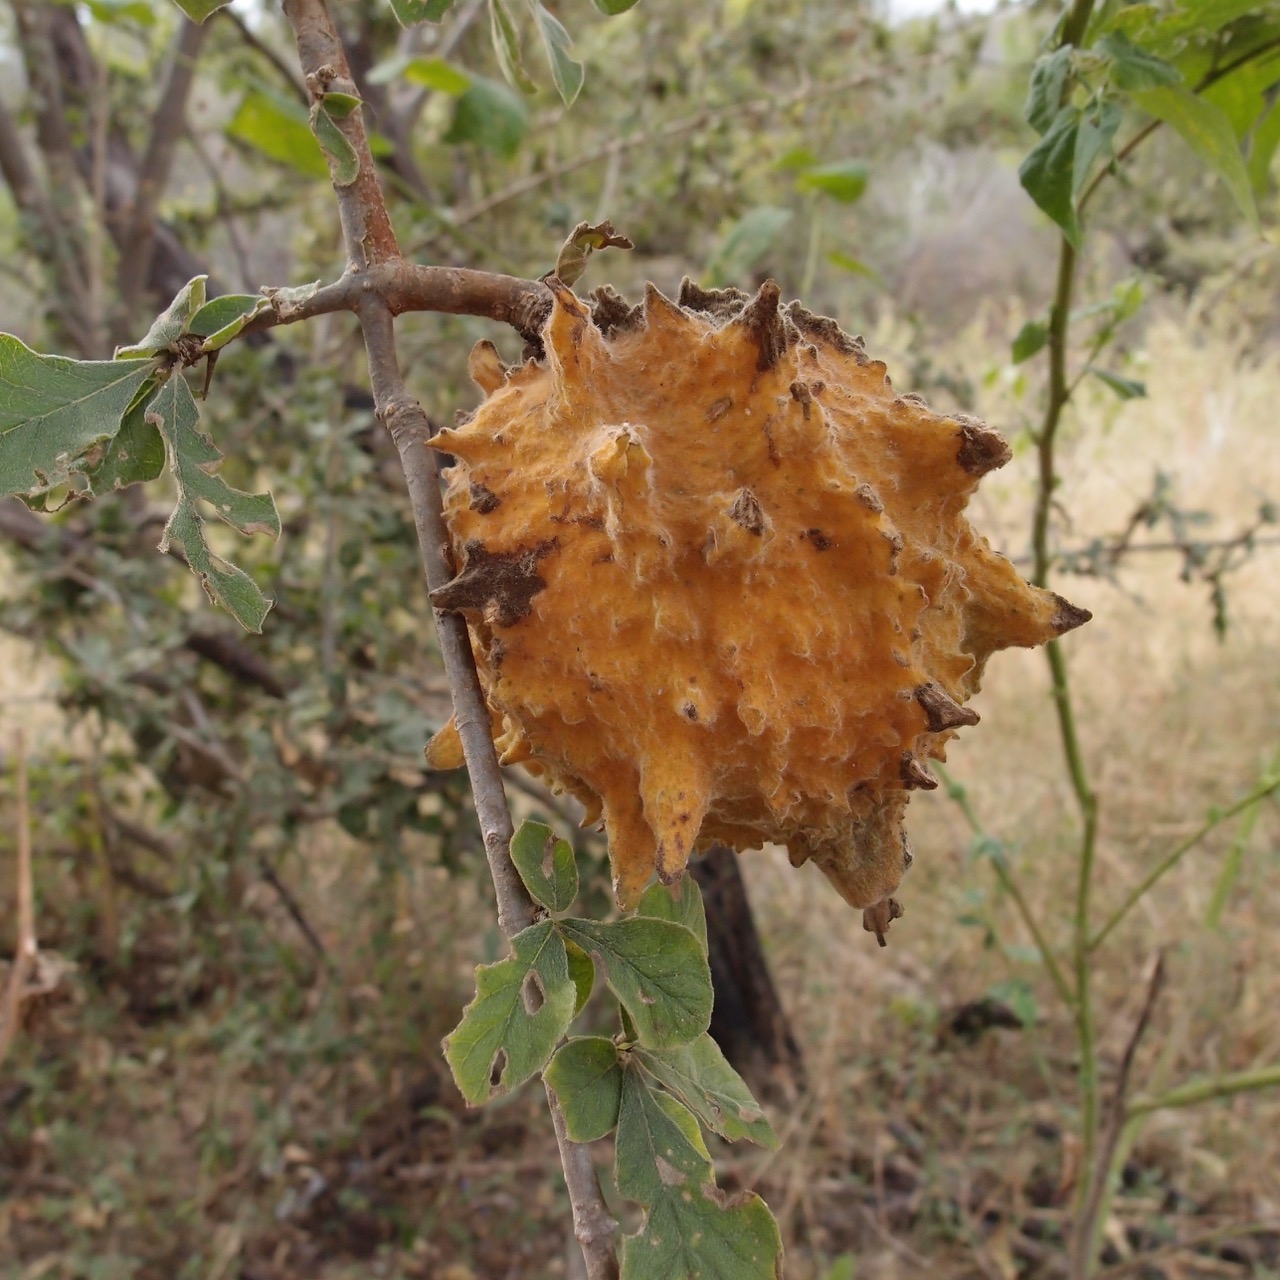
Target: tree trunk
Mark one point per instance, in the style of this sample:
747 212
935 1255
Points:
748 1021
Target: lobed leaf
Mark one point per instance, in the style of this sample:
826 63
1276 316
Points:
133 456
193 461
656 969
53 411
498 1022
587 1078
546 865
700 1076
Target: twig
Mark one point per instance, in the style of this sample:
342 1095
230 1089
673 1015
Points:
1171 860
294 908
25 951
1088 1221
1153 1258
371 244
1195 1092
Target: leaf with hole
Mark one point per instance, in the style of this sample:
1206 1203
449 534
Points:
134 455
546 865
54 411
700 1076
566 73
587 1078
499 1023
193 462
656 969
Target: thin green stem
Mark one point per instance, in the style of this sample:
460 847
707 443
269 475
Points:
1179 851
1195 1092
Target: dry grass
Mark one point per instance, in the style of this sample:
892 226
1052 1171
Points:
277 1126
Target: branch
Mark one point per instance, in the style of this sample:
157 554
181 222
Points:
24 956
167 125
371 244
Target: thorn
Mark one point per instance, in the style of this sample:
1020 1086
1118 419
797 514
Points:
1067 616
485 366
942 710
767 325
982 448
915 777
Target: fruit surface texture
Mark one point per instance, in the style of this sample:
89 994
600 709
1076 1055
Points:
720 582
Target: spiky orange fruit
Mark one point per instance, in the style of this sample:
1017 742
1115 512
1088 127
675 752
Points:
720 584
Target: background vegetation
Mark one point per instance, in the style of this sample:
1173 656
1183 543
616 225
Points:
273 909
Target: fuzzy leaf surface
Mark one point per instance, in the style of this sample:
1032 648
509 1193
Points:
680 903
193 462
587 1078
704 1235
497 1021
52 410
656 969
171 324
700 1076
133 456
222 318
546 865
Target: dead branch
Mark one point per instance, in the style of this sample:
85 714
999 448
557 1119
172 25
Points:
26 950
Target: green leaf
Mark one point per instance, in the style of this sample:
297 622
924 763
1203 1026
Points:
193 461
506 45
566 73
582 970
344 164
113 12
411 12
701 1077
491 116
219 320
746 242
429 73
134 455
1206 128
1029 340
280 129
54 410
680 903
1047 173
847 262
843 180
656 969
1044 93
546 865
611 8
199 10
581 243
1098 125
1125 388
587 1078
171 324
497 1020
659 1145
1133 67
705 1237
340 105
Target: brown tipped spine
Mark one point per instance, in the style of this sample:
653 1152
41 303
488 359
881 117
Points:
767 324
942 710
500 585
1067 616
982 448
915 777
